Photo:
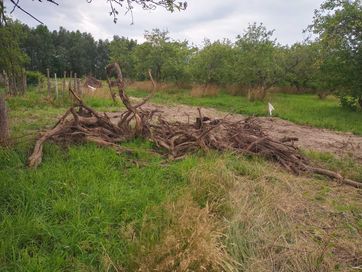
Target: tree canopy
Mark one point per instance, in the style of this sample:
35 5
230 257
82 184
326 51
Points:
338 24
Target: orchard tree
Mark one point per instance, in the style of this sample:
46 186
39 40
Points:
305 60
259 60
168 59
213 63
122 51
338 26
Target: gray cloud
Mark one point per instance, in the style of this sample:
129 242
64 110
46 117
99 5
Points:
202 19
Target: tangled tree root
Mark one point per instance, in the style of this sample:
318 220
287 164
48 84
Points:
175 139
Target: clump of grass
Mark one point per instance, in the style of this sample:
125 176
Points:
193 239
191 242
205 90
279 226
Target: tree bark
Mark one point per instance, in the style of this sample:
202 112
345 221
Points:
4 128
24 81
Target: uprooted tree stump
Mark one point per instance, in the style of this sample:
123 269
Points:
174 139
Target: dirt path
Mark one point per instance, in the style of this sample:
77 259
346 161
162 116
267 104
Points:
310 138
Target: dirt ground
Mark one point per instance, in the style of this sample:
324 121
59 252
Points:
310 138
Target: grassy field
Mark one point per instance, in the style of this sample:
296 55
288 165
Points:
302 109
89 209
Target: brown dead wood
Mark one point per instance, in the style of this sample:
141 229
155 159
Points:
174 139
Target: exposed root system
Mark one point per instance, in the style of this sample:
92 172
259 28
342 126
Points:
174 139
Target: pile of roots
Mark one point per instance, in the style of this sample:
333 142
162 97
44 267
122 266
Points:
173 139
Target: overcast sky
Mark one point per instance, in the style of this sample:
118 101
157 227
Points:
215 19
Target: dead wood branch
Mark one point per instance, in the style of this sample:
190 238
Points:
174 139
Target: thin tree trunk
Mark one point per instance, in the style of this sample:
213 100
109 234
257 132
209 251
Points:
4 128
24 85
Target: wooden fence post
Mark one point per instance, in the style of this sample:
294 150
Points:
79 91
70 79
75 83
7 83
63 86
48 77
56 85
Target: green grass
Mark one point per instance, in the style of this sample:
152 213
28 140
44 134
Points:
89 209
346 166
77 206
42 112
302 109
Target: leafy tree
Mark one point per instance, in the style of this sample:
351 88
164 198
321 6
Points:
12 58
304 60
338 26
167 59
122 52
39 47
213 63
102 58
260 62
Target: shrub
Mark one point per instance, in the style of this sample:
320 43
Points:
349 102
34 77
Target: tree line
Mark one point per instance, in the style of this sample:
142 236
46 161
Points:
331 62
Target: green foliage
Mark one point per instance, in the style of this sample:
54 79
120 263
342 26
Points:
303 60
121 51
12 58
34 77
338 24
63 50
349 102
166 58
259 60
213 63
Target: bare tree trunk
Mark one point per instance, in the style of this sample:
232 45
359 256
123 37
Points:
4 128
48 78
24 83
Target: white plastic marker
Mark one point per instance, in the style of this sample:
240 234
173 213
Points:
92 88
271 108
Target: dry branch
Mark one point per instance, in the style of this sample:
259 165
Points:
174 139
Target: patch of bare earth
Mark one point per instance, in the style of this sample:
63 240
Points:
310 138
